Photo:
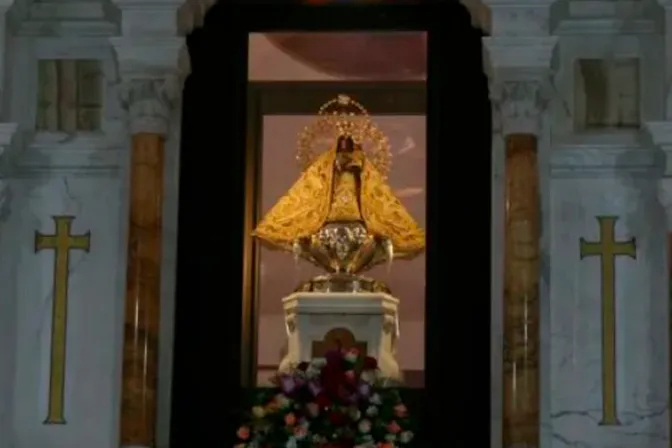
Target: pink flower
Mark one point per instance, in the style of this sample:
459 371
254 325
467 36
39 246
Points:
350 375
243 433
400 410
393 427
290 419
300 432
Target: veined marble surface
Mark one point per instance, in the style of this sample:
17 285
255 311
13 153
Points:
620 187
95 311
7 331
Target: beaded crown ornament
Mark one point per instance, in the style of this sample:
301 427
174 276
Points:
344 117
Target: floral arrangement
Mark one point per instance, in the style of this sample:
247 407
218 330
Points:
335 402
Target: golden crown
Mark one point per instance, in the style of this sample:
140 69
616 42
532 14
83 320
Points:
344 117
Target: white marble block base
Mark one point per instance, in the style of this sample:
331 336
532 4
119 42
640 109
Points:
371 318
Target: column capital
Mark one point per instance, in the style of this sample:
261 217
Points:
149 103
520 82
519 104
152 72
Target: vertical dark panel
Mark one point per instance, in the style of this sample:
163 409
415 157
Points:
206 384
457 375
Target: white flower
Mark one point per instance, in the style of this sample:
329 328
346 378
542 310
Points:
283 401
405 436
364 426
355 414
390 437
372 411
368 376
351 356
291 443
375 399
312 372
318 363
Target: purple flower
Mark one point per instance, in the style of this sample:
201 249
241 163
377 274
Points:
288 384
314 388
364 390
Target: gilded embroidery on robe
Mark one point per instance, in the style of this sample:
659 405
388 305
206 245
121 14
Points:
324 194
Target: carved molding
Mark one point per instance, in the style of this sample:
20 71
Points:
7 133
149 103
151 57
44 161
529 52
660 135
606 160
290 323
191 15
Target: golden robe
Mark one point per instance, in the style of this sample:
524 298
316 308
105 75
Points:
324 194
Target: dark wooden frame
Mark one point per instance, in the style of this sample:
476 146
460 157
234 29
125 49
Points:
299 98
207 399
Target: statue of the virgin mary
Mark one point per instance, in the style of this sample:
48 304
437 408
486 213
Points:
341 214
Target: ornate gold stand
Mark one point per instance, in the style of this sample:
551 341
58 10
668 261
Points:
343 249
342 282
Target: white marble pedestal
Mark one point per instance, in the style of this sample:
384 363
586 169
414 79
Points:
372 318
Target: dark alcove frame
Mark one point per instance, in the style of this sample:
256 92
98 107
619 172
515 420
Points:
207 393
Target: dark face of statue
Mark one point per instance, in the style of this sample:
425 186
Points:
345 144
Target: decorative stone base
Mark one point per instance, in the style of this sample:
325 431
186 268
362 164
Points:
317 322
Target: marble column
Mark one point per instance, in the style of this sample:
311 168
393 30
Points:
521 317
148 103
519 89
609 304
519 61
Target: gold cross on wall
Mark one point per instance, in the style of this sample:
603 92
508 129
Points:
607 248
62 242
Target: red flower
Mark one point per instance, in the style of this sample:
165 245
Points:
322 400
370 363
336 418
334 359
332 377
